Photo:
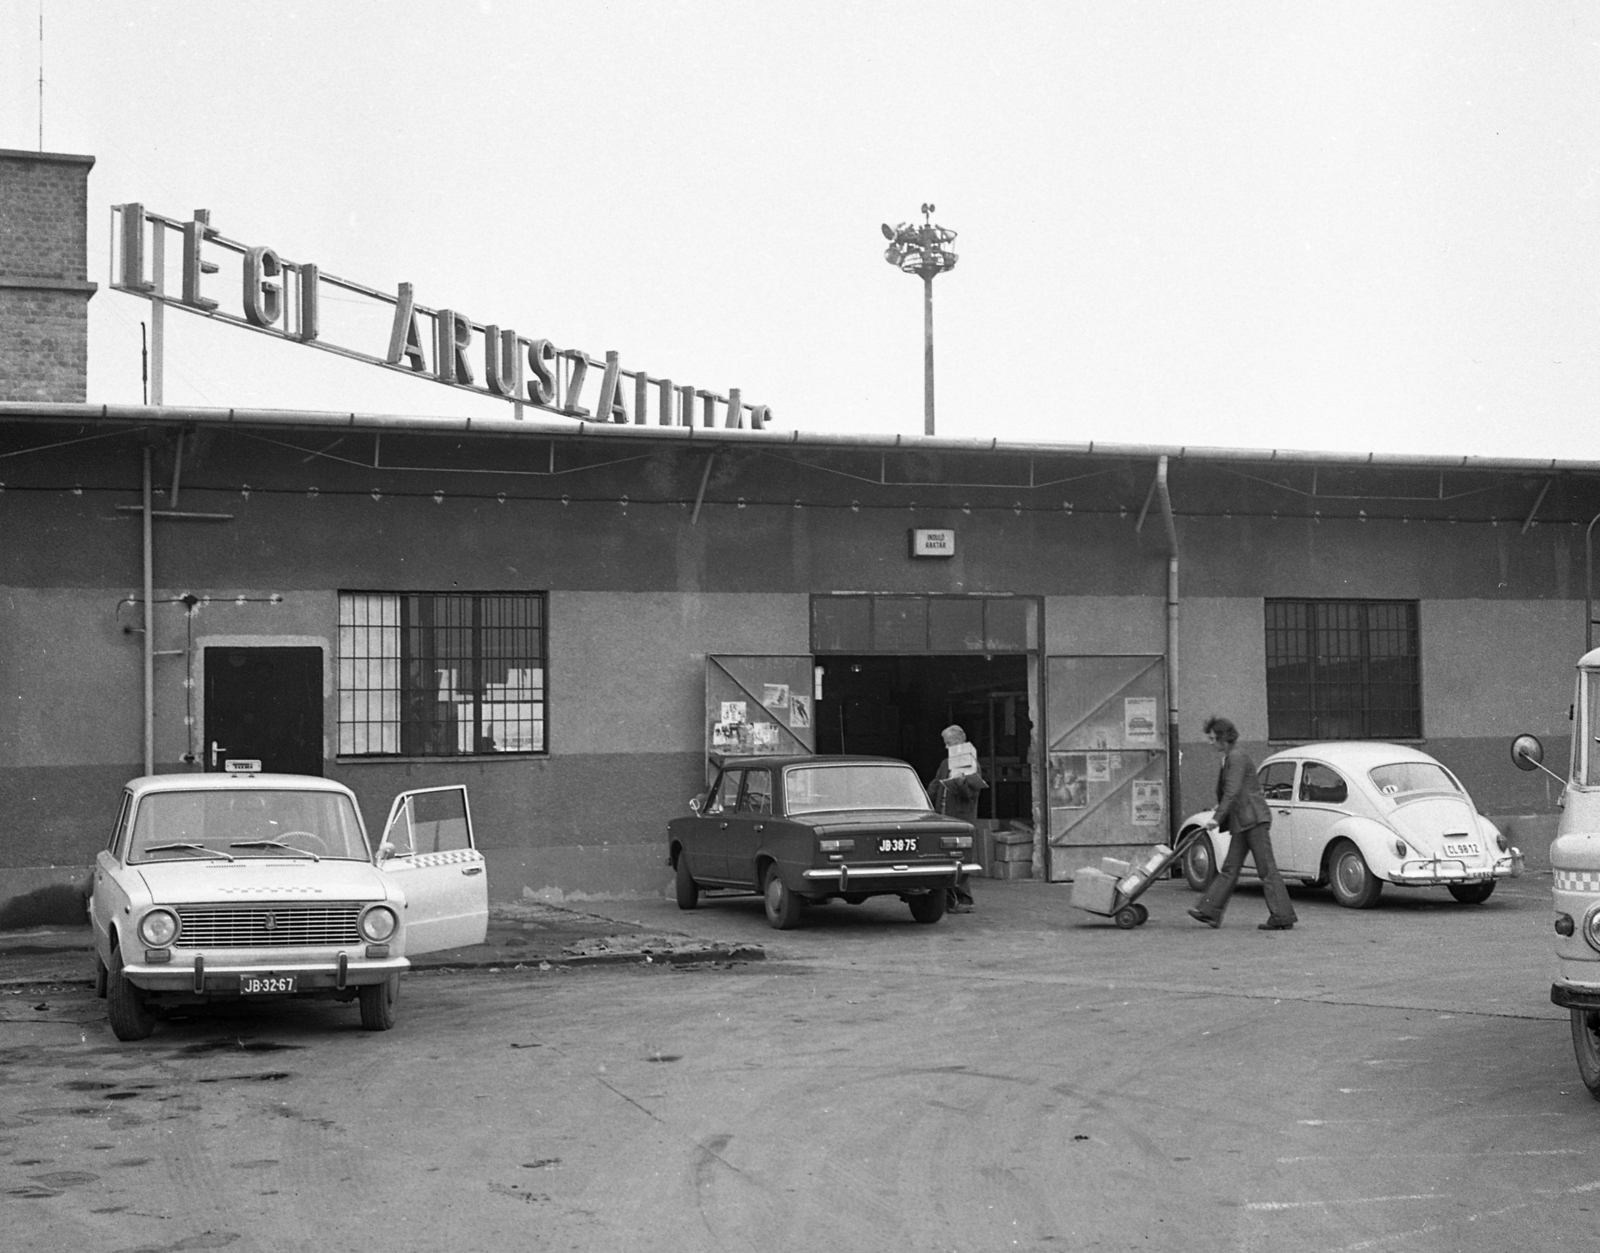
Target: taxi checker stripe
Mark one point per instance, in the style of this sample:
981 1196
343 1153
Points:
1577 880
447 858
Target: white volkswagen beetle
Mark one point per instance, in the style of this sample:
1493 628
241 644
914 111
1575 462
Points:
220 886
1355 815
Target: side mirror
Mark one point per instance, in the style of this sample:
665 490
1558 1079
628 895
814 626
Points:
1527 753
695 802
385 851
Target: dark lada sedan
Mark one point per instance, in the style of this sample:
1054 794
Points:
804 830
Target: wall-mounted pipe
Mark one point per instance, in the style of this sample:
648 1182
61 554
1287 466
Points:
149 623
1588 585
1174 775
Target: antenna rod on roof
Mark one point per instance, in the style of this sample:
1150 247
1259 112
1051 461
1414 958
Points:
41 75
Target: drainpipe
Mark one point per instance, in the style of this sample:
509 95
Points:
1173 773
149 627
1588 585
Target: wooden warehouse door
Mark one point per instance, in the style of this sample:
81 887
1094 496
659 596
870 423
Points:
1107 759
264 704
758 705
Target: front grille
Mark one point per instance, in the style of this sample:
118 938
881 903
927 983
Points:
268 926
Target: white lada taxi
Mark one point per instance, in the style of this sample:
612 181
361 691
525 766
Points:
217 886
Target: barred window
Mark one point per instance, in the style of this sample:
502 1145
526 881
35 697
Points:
441 674
1343 670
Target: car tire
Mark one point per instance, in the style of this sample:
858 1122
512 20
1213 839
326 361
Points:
1353 884
1472 893
782 905
101 978
127 1010
378 1001
929 907
688 889
1200 864
1586 1044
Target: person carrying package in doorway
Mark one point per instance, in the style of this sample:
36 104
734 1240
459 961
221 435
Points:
954 793
1242 811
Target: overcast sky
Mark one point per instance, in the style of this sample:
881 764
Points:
1363 227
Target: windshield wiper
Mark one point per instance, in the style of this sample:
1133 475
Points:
288 848
191 848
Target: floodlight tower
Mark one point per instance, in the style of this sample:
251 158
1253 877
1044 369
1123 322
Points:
921 250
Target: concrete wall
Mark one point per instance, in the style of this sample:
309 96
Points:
44 289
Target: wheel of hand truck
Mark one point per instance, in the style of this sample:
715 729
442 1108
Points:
1143 914
1127 917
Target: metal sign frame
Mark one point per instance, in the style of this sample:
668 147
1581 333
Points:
283 298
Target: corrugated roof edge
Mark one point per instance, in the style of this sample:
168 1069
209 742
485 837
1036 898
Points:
173 415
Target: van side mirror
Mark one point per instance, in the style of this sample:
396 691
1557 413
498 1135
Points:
696 802
1527 753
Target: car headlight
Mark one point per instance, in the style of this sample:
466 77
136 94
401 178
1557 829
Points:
158 928
378 923
1591 927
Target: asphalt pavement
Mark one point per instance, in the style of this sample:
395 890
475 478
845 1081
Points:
1024 1077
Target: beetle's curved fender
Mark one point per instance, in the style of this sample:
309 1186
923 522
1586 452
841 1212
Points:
1373 838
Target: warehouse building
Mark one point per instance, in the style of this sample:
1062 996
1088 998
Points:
574 608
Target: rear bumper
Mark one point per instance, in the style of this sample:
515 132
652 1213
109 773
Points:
208 972
901 876
1433 871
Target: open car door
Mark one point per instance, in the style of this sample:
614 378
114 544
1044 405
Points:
427 846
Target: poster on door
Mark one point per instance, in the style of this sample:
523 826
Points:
1139 721
1146 799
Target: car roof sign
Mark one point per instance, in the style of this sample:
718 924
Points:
242 765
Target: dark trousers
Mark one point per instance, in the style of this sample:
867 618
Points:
1256 841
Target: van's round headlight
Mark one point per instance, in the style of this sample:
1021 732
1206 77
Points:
158 928
1591 927
378 923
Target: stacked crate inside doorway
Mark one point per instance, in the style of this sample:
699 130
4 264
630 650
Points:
1010 852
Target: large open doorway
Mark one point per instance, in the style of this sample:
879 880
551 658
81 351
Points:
895 706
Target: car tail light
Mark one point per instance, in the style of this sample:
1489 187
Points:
837 846
1399 848
378 923
1505 844
956 841
1564 924
158 928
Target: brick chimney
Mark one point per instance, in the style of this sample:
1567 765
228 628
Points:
44 287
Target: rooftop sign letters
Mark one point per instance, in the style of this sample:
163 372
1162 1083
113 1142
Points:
296 301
